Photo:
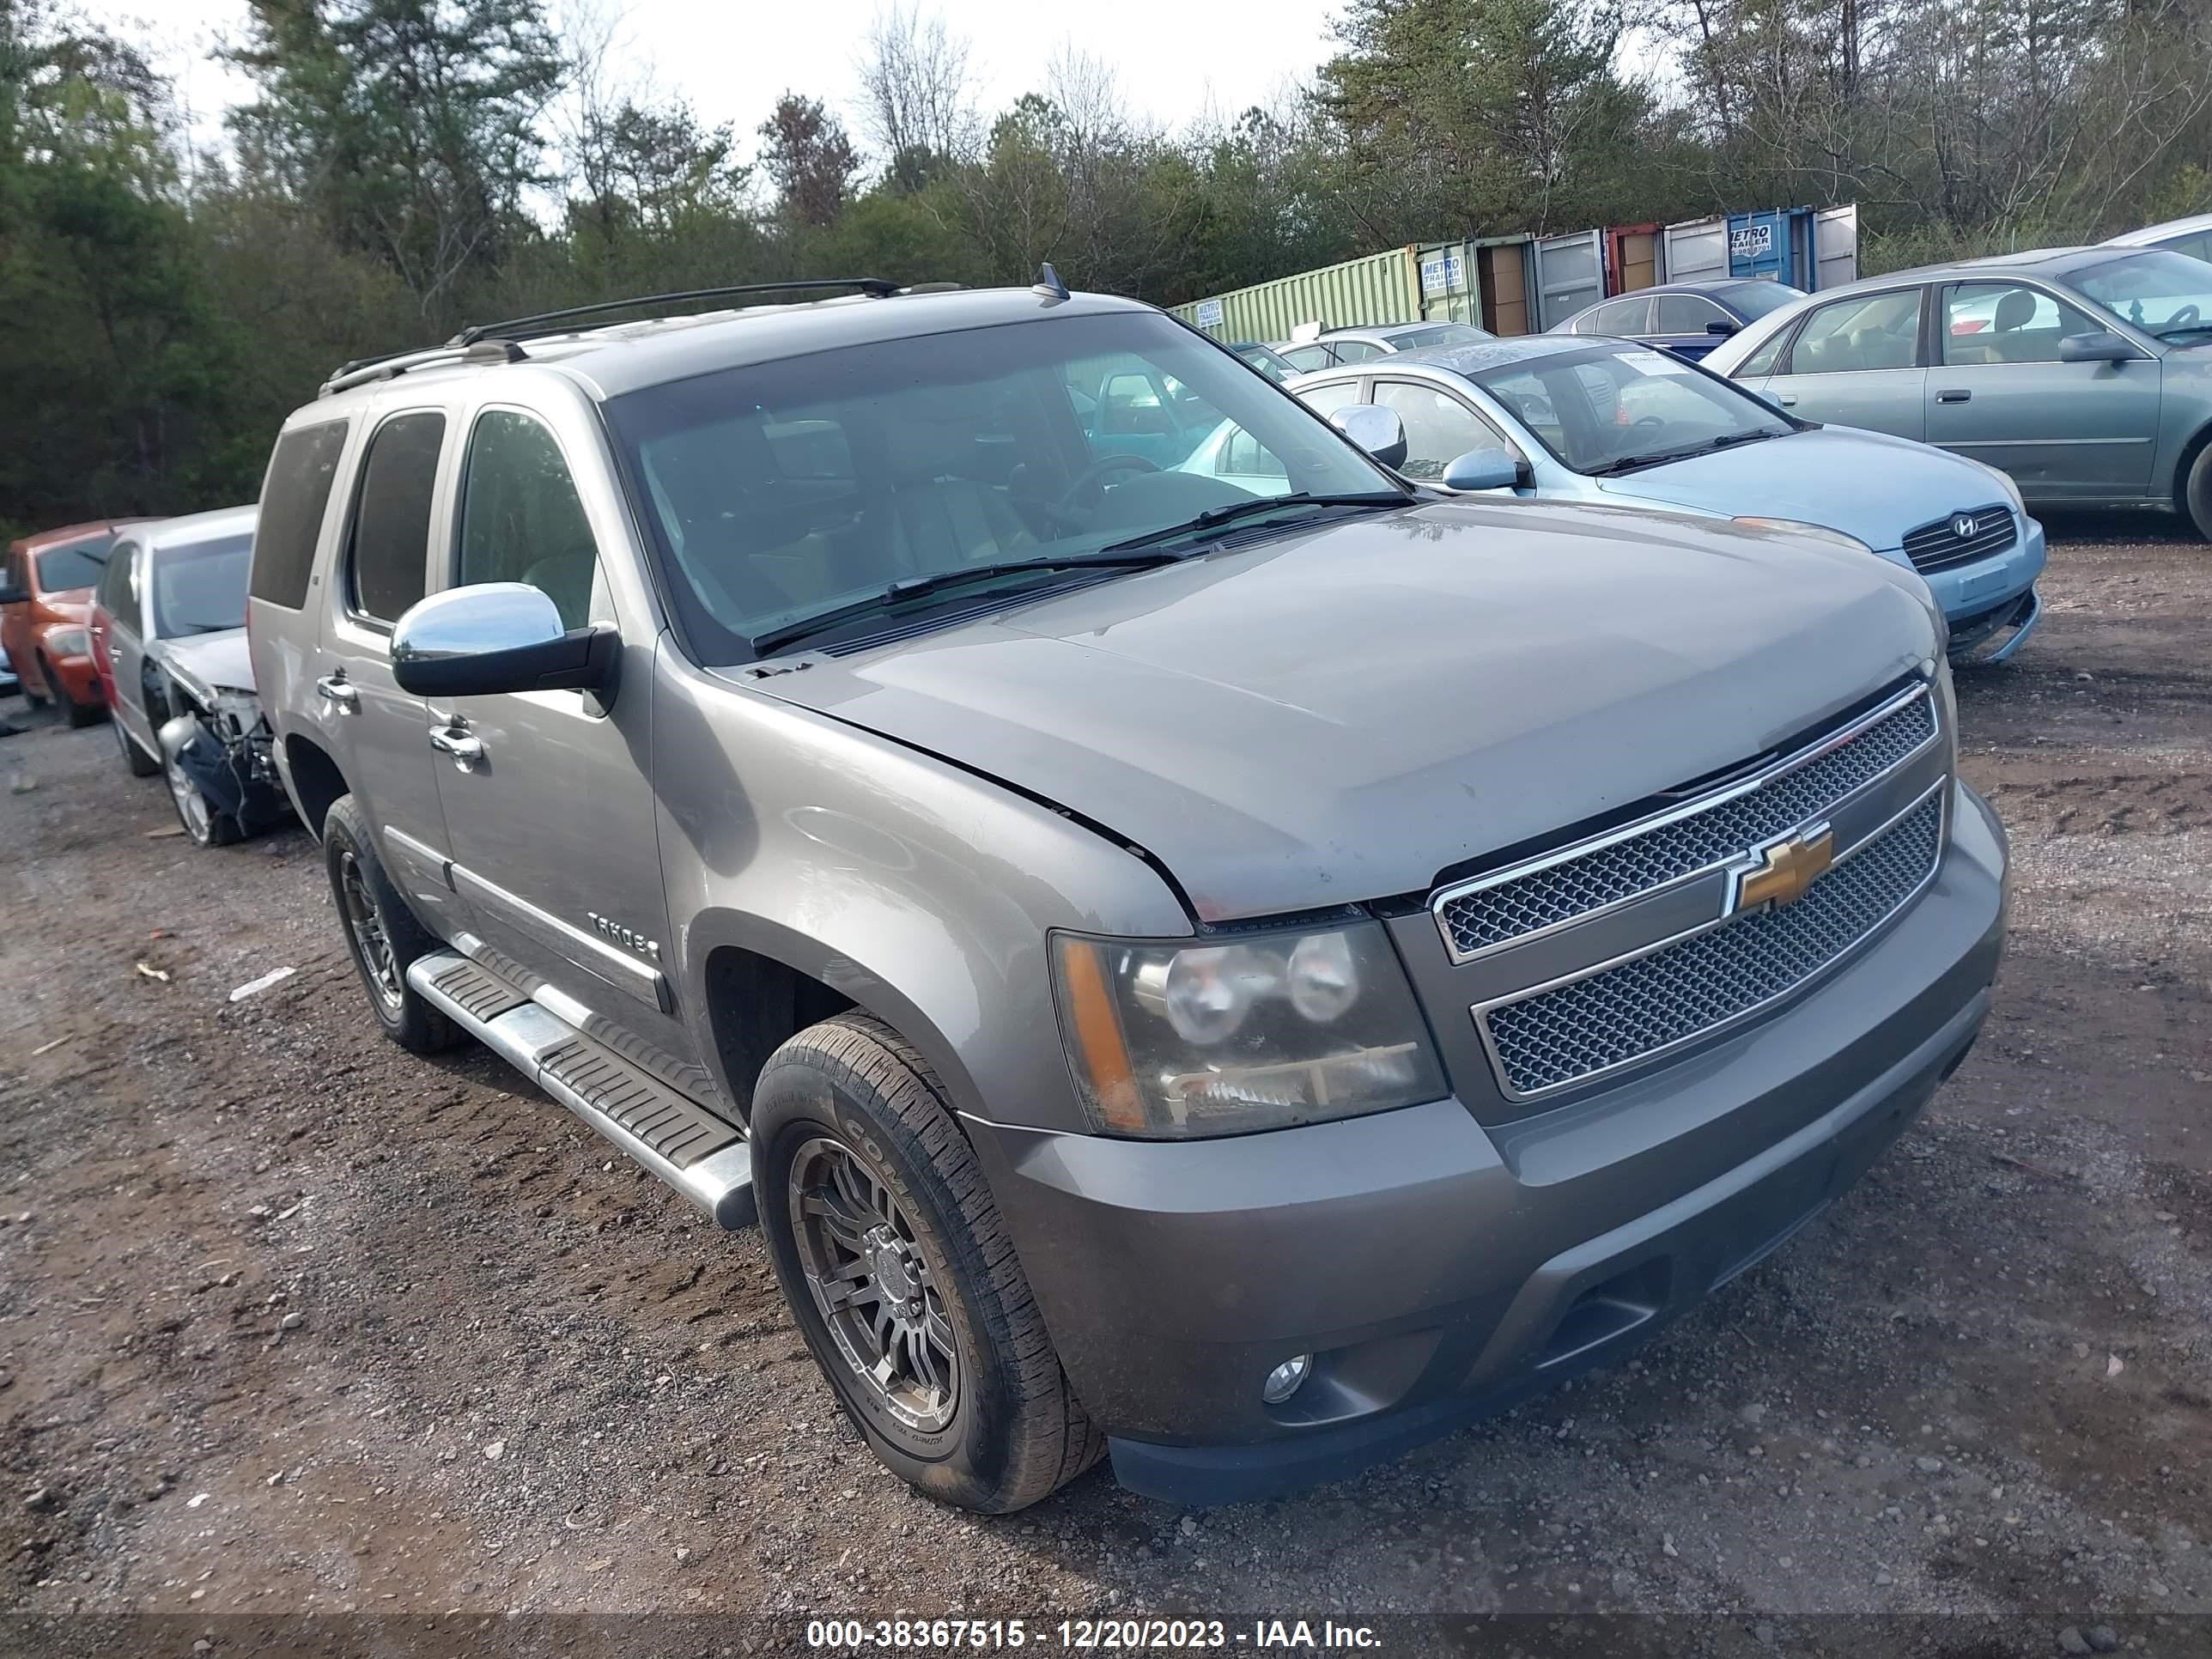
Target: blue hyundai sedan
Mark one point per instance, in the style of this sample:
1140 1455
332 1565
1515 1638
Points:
1560 418
1688 319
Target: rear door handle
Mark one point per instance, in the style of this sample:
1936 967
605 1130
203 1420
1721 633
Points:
333 690
1955 396
457 740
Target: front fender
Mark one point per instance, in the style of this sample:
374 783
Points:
920 891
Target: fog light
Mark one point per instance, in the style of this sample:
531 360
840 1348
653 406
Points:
1283 1382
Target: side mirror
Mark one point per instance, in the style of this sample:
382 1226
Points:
15 596
492 637
1722 326
1487 468
2098 346
1374 428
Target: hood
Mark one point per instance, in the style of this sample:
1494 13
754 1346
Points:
1343 712
217 662
1866 484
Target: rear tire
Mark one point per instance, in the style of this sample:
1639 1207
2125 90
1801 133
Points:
868 1190
2196 492
141 764
382 934
78 714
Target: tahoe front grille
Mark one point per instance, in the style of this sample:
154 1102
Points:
1697 985
1939 545
1494 911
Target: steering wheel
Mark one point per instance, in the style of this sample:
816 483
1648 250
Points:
1648 420
2185 318
1087 493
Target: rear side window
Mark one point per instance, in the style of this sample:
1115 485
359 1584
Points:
387 558
1761 362
293 497
118 585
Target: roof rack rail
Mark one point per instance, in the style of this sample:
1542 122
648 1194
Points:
549 322
361 370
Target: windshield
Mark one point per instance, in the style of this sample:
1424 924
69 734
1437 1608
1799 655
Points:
1597 409
1438 334
780 491
73 564
1757 299
200 587
2168 294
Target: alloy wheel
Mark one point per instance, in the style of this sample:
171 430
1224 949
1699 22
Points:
364 920
191 805
874 1286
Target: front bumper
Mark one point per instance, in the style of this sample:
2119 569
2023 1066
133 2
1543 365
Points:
1991 604
80 677
1439 1269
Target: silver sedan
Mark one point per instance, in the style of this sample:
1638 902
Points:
2084 373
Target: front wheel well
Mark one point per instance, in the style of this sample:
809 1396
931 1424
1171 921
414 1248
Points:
756 1004
317 783
2190 451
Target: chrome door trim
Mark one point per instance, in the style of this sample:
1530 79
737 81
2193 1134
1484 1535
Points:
594 955
420 852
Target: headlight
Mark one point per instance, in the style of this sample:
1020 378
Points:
1170 1041
1819 533
2004 483
66 642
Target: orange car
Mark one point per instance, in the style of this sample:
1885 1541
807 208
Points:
46 597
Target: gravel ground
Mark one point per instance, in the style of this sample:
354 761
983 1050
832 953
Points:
292 1323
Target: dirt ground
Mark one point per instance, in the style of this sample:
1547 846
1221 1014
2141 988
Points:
292 1323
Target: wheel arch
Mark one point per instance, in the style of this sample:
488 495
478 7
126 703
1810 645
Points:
760 982
2190 451
314 779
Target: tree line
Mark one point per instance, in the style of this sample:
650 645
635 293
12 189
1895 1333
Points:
402 167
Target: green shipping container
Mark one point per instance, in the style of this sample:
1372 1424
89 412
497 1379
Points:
1382 288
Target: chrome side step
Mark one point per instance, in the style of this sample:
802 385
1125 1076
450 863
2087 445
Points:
700 1155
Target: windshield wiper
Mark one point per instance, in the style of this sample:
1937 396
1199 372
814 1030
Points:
1215 518
938 581
1726 441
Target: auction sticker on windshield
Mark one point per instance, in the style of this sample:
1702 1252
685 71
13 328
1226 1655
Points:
1655 362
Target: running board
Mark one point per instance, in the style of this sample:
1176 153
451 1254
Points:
698 1153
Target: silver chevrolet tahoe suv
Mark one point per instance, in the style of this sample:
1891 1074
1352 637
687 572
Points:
1239 976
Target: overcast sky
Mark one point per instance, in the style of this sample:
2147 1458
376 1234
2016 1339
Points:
731 58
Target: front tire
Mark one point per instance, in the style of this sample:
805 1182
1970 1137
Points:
896 1262
381 933
78 714
2196 492
205 823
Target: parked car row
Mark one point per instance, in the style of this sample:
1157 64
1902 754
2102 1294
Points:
1107 857
1560 417
2082 374
145 620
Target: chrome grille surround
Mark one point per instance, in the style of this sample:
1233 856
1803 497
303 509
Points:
1636 1008
1938 546
1507 908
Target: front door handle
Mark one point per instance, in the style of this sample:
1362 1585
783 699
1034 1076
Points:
460 743
333 690
1956 396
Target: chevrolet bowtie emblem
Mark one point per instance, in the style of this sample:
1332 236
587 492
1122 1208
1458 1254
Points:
1784 870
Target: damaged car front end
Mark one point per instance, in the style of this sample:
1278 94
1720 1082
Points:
216 743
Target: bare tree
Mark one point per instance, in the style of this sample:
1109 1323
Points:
916 94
